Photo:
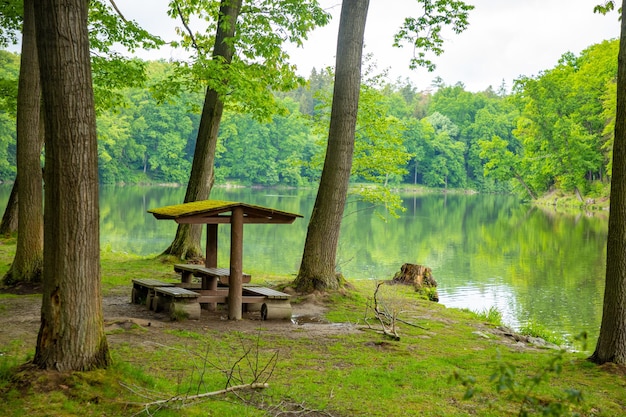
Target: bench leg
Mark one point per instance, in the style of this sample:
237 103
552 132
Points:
151 300
160 302
209 283
138 295
186 277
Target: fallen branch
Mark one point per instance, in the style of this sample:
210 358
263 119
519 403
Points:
379 315
207 394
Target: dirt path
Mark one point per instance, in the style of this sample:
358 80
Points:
20 320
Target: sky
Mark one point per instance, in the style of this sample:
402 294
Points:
505 39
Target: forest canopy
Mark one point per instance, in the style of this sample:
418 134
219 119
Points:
553 130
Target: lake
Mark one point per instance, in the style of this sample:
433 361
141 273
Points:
532 264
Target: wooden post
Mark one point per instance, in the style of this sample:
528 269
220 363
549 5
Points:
211 246
210 262
236 264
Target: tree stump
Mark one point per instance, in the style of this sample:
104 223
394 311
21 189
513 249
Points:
420 276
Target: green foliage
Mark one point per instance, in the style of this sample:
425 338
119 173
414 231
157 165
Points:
380 155
111 69
522 389
260 64
108 29
554 131
561 127
10 22
605 8
265 153
9 73
424 32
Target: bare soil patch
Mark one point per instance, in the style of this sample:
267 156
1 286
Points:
20 320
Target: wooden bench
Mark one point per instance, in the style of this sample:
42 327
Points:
274 304
220 275
179 302
143 290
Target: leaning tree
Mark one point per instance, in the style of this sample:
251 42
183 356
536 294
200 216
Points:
247 63
317 269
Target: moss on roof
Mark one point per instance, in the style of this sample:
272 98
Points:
194 207
217 206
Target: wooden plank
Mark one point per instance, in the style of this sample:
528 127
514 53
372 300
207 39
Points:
266 292
186 267
222 274
250 299
202 299
176 292
151 283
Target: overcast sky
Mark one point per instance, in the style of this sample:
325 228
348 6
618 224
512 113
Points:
505 38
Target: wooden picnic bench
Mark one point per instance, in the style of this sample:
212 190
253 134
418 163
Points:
184 300
274 304
179 302
143 290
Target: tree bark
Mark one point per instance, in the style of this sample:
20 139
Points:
186 243
8 225
71 336
611 346
28 261
317 270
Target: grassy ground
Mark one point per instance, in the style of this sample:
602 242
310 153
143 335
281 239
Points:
346 369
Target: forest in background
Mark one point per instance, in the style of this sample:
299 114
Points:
552 130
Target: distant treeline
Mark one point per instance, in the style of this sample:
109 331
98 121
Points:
553 130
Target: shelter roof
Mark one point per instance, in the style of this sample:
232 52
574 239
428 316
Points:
218 211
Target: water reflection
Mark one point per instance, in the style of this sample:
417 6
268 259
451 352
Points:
533 265
483 297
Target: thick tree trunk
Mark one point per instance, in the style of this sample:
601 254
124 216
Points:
8 225
317 270
186 243
611 346
71 336
28 261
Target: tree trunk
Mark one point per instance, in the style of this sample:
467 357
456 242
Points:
71 336
528 190
611 346
8 225
317 270
186 243
28 261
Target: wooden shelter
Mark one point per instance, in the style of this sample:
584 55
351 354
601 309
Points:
216 212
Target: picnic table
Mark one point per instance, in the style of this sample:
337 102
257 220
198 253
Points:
213 213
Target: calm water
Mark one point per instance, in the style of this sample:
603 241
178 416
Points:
484 250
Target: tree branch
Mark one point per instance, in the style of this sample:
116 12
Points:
180 398
118 11
184 22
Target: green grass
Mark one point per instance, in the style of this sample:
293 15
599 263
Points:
537 330
490 315
356 373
